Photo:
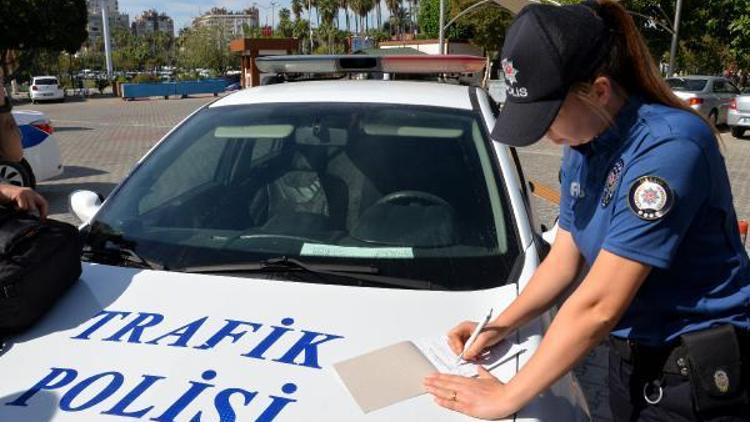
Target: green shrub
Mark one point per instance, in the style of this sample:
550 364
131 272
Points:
145 78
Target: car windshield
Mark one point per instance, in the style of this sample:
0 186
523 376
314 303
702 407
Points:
691 85
414 192
45 81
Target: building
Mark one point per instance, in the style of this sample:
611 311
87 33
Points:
152 21
116 19
230 23
95 6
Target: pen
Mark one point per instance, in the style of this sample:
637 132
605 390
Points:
474 336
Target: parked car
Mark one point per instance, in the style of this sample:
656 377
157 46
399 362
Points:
282 229
739 114
45 88
709 95
42 159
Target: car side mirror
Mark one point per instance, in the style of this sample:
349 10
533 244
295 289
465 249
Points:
84 204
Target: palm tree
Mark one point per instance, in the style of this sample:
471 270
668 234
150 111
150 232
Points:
394 6
327 10
344 4
297 7
361 8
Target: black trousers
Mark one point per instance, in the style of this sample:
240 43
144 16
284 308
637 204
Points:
627 402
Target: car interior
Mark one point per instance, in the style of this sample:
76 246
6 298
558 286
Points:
346 179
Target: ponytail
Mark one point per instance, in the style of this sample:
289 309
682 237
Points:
629 62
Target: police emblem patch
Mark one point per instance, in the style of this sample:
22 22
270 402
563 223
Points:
650 198
611 183
721 379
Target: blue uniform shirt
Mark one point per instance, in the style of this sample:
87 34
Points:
654 188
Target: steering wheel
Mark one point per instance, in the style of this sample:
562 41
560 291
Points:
414 195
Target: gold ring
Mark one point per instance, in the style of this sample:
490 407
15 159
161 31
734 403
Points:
453 397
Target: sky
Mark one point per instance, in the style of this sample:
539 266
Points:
183 11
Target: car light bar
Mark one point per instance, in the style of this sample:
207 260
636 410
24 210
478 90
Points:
360 64
44 125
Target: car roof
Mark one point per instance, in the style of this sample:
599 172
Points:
354 91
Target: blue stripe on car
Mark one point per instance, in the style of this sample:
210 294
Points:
31 136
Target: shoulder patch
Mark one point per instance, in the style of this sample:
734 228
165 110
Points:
611 183
650 198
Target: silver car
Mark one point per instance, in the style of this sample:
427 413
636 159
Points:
709 95
739 114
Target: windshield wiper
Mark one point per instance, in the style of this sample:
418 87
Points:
358 273
117 250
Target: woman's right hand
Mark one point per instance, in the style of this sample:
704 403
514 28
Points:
490 335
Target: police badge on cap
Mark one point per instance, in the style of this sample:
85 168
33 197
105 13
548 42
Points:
650 198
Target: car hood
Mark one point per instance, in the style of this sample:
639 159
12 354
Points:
25 117
152 344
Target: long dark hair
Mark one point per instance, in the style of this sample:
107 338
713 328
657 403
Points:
630 63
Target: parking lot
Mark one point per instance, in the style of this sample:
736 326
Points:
101 139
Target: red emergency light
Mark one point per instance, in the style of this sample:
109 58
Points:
420 64
44 126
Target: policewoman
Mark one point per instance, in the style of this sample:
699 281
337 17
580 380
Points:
646 204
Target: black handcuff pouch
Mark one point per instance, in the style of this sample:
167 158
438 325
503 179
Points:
715 368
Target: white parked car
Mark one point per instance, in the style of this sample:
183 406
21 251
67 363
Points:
739 114
709 95
277 231
41 152
45 88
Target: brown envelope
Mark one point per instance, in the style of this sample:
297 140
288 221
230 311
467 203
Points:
385 376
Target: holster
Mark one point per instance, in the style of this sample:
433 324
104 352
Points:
715 362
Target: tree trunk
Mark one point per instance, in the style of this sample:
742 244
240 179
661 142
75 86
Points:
379 14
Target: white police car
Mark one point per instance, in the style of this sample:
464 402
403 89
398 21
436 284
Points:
277 231
42 159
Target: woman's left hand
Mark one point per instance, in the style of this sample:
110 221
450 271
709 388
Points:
483 397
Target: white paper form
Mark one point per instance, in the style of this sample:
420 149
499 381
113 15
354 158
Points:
439 353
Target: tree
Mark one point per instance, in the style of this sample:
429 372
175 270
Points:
429 22
714 34
30 27
297 8
344 5
205 47
361 8
327 10
485 26
394 7
286 26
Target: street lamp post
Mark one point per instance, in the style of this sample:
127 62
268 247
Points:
309 23
273 14
675 35
441 36
107 40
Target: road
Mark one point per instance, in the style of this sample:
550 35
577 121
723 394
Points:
101 139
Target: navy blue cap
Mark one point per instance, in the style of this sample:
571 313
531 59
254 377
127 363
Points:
547 49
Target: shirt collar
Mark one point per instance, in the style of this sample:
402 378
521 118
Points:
614 136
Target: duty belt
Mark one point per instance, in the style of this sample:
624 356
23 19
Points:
670 358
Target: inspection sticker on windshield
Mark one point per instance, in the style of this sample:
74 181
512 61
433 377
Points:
318 249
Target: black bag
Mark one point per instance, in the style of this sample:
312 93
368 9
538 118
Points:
39 261
715 368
